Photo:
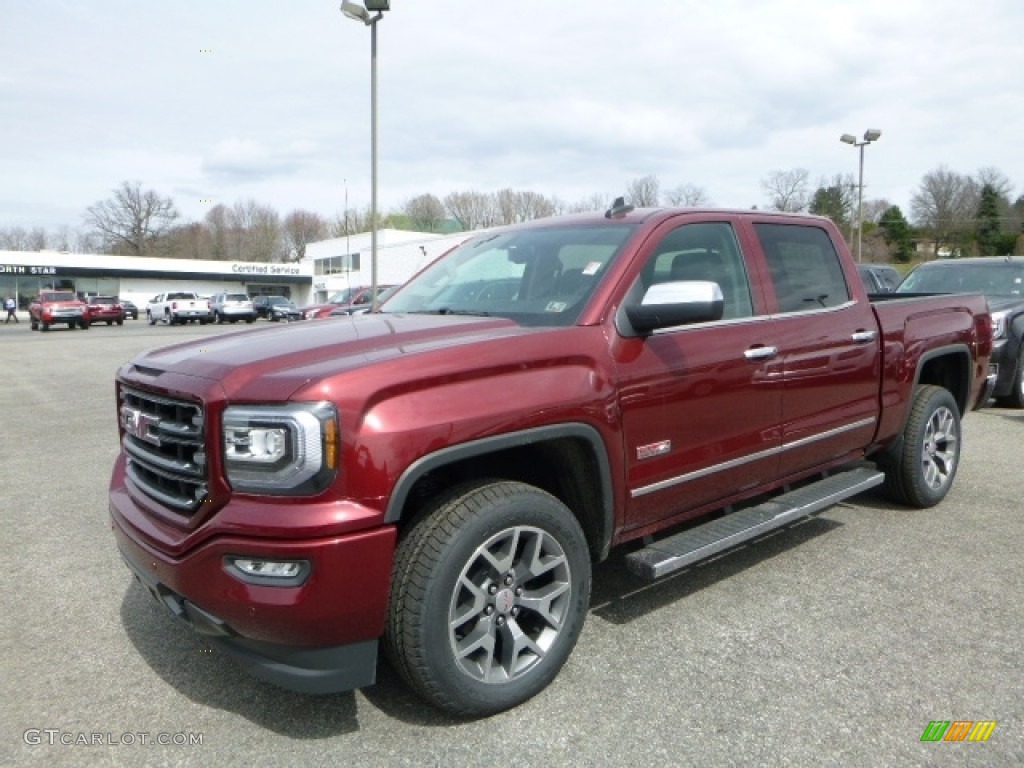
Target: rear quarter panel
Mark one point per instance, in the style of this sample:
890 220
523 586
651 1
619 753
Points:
916 328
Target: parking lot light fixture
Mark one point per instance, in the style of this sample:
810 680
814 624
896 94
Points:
870 135
362 12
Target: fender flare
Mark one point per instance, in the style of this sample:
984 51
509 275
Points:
483 446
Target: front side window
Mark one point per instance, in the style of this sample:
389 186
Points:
804 265
539 276
705 251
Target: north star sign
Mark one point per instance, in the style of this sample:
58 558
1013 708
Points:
18 269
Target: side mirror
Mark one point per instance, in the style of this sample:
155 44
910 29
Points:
666 305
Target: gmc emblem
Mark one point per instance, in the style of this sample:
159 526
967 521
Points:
138 424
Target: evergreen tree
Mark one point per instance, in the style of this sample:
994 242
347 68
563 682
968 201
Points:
988 232
896 232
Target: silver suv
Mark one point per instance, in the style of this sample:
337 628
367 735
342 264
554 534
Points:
232 307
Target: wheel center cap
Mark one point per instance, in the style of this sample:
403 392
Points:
504 600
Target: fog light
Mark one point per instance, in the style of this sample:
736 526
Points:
283 573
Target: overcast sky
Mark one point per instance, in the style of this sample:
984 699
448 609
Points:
227 100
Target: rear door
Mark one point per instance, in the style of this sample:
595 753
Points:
828 341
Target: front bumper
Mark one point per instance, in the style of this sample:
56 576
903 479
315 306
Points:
319 636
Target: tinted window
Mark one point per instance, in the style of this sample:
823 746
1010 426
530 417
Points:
805 268
704 251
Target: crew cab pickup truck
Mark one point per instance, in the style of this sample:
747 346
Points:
178 307
54 307
440 476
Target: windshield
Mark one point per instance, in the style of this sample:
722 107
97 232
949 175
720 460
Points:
540 276
59 296
1001 279
344 296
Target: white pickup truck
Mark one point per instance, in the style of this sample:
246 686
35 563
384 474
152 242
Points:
178 307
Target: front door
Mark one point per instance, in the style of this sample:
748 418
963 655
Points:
700 403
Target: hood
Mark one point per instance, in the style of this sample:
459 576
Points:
1001 303
272 363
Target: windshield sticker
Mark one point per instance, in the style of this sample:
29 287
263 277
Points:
556 306
591 268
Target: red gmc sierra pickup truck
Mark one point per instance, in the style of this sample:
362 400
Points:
438 477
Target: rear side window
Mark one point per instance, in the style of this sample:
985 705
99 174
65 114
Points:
805 268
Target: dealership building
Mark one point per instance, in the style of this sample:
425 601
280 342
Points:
329 266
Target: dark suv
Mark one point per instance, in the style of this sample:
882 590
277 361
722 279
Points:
276 308
879 278
1001 279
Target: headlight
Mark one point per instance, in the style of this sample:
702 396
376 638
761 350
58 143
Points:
999 325
286 450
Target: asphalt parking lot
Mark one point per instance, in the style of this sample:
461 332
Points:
831 643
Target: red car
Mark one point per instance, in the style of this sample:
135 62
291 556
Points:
343 302
100 309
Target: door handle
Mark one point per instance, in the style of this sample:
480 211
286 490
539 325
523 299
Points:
761 353
863 336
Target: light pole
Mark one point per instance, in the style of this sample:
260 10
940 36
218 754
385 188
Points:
369 12
870 135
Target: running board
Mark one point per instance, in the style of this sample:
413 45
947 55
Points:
674 552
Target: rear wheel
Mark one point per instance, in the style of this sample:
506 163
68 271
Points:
489 594
921 471
1016 397
84 324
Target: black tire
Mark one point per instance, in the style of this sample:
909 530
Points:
1016 397
218 318
109 323
920 471
120 322
44 327
83 324
149 318
468 578
249 320
33 324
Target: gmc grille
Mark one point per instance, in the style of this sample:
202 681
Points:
164 441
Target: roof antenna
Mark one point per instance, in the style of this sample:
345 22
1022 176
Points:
619 208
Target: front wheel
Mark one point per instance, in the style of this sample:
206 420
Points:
920 473
489 593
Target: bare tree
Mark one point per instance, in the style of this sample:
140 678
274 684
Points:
218 224
643 192
471 209
425 212
688 195
873 209
942 205
787 190
596 202
133 219
14 239
302 228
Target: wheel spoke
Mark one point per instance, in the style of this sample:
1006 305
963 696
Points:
476 605
540 602
514 644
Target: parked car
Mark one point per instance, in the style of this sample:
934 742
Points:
104 309
343 302
383 295
1001 280
131 311
879 278
51 307
232 307
179 307
276 308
